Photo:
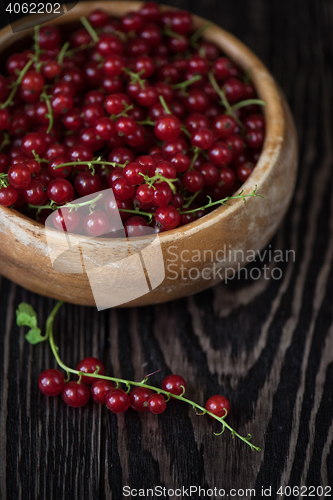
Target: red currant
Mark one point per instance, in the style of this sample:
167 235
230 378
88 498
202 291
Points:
51 382
218 405
117 401
156 404
75 394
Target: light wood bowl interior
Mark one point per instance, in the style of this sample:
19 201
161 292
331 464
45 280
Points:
24 253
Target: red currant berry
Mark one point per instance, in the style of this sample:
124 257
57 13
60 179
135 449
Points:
100 390
96 224
54 169
254 138
60 191
223 126
117 401
203 138
135 226
167 128
139 399
218 405
174 384
51 382
90 365
61 103
167 217
8 196
33 81
19 176
220 154
49 37
145 194
193 181
162 194
33 141
181 162
244 170
35 193
65 220
87 183
156 404
75 394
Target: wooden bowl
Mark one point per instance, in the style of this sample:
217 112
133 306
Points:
227 234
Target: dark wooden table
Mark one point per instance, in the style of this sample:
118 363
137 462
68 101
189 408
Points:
265 344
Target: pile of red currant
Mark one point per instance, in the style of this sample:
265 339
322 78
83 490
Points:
142 105
140 398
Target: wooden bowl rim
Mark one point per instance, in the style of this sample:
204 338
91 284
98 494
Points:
264 84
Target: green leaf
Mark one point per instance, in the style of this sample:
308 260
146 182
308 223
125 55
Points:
26 316
34 336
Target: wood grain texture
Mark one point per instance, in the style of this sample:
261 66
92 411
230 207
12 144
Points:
266 344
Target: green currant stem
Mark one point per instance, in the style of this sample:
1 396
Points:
63 52
17 83
37 48
38 158
135 77
159 178
4 180
247 102
146 122
90 29
91 162
123 113
75 206
224 100
172 34
84 46
195 157
224 201
49 115
198 34
164 104
137 212
129 383
184 85
186 132
191 200
5 141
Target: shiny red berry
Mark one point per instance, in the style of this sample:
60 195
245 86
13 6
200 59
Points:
51 382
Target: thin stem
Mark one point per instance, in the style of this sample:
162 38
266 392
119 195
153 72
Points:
186 132
248 102
191 200
183 85
194 159
75 206
137 212
224 100
146 122
62 53
49 115
224 201
91 162
172 34
90 29
135 77
17 83
37 48
164 104
198 34
5 141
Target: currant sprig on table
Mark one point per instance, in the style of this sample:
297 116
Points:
140 396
